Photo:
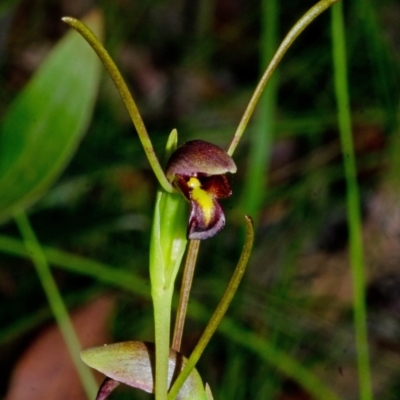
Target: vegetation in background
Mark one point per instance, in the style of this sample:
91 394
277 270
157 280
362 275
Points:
295 305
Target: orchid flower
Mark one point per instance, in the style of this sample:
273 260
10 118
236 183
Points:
197 169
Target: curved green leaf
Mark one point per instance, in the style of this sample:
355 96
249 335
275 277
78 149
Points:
132 363
44 125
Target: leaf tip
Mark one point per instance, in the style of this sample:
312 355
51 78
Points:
68 20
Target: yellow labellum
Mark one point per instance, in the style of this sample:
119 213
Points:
201 197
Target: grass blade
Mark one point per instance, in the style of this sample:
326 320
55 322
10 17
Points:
353 201
56 302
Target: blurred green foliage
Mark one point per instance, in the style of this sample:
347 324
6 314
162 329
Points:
193 66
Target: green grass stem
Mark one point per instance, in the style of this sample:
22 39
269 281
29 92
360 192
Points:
353 201
261 140
56 302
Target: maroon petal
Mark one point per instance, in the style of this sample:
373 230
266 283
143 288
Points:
217 185
181 183
204 224
199 157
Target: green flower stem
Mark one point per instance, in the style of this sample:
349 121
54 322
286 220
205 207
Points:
219 312
123 90
187 280
300 25
162 302
56 303
353 201
167 247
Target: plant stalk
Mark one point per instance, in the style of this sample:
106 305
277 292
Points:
187 280
162 302
353 202
167 247
56 302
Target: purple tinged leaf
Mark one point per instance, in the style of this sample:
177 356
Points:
132 363
106 388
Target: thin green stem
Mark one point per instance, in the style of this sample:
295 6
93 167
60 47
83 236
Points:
300 25
219 312
353 201
187 280
123 90
56 302
162 302
167 247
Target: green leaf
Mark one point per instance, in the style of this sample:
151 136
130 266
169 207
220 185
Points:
132 363
208 392
44 125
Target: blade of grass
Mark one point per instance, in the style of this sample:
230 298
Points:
300 25
80 265
353 201
56 302
261 140
384 78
